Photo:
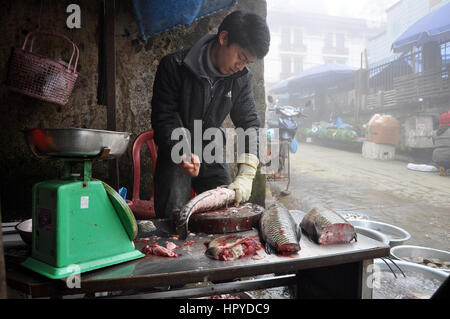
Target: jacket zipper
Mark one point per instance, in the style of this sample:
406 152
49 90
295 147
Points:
213 101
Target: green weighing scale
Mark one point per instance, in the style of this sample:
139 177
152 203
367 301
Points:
78 223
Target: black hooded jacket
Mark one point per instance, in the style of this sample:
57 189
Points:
180 87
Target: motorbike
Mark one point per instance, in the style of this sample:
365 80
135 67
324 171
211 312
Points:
285 118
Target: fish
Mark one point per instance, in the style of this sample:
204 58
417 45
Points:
171 246
326 227
279 231
206 201
232 247
157 250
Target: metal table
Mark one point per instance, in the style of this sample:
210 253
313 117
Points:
337 271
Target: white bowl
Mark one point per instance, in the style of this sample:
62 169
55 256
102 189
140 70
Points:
396 235
399 252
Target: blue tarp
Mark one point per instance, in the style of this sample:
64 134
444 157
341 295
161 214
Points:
340 124
434 27
326 74
157 16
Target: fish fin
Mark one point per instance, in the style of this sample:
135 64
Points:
211 252
299 232
182 231
270 250
314 236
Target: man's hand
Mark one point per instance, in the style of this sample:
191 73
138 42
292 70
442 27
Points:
191 168
242 184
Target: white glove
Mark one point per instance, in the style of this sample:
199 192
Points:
243 181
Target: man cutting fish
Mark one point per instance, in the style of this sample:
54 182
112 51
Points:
207 82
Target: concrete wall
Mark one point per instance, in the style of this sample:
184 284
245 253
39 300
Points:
135 66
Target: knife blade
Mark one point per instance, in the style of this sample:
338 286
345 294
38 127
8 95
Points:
185 137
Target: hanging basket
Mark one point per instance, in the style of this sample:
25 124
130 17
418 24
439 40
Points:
41 77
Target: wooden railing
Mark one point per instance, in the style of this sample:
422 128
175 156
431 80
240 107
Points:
380 100
412 87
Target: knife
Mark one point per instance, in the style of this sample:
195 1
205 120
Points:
188 141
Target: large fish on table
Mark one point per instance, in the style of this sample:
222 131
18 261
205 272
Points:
206 201
325 227
232 247
279 231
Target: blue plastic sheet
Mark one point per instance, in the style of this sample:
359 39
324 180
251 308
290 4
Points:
157 16
434 27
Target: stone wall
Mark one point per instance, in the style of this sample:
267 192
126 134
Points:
136 63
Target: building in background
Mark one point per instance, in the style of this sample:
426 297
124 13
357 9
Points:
400 17
301 40
412 86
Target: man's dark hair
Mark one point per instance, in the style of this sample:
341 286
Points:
248 30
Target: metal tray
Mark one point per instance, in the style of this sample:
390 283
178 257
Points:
76 143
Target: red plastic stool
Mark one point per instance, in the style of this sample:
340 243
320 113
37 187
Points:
143 209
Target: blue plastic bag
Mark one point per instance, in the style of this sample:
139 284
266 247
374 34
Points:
123 193
294 146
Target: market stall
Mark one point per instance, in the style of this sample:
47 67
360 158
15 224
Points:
335 271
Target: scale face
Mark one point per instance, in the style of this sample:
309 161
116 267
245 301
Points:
79 224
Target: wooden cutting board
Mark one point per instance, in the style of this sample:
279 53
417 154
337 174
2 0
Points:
227 220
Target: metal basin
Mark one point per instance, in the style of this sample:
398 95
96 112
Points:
400 252
76 142
420 283
396 235
372 234
25 230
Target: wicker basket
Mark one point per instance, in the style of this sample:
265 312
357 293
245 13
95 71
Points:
41 77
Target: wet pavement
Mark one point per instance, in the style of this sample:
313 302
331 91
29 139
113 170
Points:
386 191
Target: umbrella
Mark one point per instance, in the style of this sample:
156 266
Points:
326 74
434 27
280 88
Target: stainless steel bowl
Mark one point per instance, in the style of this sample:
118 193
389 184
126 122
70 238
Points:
396 235
376 235
400 252
25 230
76 142
414 285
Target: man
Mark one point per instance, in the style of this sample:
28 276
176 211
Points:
207 82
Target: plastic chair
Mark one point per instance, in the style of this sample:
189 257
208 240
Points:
143 209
